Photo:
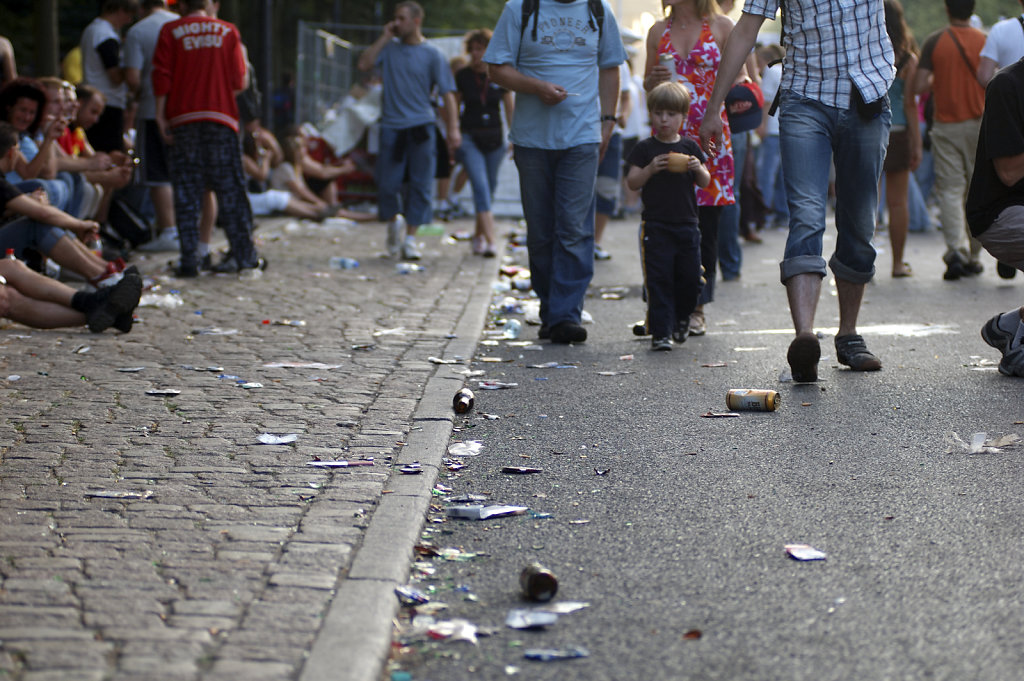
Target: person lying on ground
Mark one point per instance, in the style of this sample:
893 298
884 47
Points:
29 298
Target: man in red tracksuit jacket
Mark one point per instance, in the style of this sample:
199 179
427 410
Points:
198 66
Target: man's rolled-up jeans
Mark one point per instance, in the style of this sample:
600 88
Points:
811 134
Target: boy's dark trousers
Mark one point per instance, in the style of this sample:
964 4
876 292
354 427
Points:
670 254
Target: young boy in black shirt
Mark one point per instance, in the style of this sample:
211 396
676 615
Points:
665 168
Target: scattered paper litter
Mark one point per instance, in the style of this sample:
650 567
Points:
163 392
270 439
341 463
466 448
481 512
529 619
495 385
120 494
804 552
980 443
301 365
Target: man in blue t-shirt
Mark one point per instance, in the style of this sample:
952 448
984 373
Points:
563 66
410 69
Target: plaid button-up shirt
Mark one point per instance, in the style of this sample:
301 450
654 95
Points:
831 45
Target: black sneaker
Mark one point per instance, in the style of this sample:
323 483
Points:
681 331
121 298
995 336
661 344
954 270
1005 271
544 332
640 329
974 268
853 352
568 332
803 355
183 272
229 265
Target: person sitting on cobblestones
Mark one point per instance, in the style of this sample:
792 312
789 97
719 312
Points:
995 202
47 229
34 300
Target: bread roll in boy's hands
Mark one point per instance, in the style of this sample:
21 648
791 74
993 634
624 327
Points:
678 163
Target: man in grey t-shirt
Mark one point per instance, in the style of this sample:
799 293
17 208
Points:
139 45
101 68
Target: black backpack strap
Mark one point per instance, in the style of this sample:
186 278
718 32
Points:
597 12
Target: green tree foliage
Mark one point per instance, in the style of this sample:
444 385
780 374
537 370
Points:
926 16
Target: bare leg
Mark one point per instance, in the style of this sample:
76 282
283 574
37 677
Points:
301 209
34 300
850 296
485 227
899 218
40 314
208 217
163 201
73 255
803 291
600 222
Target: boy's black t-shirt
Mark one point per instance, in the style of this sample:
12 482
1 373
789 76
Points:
667 196
1002 134
7 192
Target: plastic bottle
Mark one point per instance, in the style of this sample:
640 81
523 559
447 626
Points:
463 401
10 254
512 329
340 263
96 246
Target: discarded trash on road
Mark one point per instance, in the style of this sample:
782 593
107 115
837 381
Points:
270 439
120 494
465 448
529 619
480 512
980 443
495 385
411 469
804 552
408 596
752 400
463 401
552 654
341 463
520 470
340 263
438 360
538 583
163 392
719 415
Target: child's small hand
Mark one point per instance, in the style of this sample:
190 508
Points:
658 163
694 164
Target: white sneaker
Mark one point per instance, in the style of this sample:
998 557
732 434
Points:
167 241
396 230
409 249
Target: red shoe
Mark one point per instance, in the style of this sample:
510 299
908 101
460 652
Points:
110 276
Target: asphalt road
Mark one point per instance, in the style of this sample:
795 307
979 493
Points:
685 532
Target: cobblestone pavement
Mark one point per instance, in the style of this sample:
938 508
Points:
152 537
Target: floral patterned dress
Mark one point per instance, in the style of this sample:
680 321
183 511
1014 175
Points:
697 74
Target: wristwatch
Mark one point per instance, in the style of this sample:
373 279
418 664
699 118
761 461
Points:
609 117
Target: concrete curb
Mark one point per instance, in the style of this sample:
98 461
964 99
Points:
354 641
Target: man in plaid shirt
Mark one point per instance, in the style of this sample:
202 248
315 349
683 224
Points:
838 68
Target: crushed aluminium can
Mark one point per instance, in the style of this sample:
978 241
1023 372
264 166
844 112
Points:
752 400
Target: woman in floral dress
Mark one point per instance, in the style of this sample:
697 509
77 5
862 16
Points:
693 35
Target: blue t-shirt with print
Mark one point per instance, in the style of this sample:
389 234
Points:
409 74
567 52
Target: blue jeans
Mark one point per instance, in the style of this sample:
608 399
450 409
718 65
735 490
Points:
557 189
58 193
398 152
730 255
482 169
811 134
769 164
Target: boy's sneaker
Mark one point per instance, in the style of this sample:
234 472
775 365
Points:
600 253
640 329
661 344
681 331
396 230
229 265
410 251
995 336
